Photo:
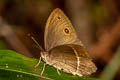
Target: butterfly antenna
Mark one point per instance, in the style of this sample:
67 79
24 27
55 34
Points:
36 42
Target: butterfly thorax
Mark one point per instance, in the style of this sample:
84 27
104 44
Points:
47 58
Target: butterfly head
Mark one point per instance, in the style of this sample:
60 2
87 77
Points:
44 56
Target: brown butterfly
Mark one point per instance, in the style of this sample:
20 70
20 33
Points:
63 49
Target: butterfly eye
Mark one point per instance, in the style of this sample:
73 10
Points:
66 30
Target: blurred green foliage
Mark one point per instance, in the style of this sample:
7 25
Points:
99 14
112 68
2 45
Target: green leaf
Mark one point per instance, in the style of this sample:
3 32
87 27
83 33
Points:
14 66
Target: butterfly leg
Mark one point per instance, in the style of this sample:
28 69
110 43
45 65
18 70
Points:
57 68
58 72
38 63
43 69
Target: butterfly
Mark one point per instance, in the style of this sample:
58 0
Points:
63 49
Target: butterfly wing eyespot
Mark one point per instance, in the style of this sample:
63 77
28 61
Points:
58 17
66 31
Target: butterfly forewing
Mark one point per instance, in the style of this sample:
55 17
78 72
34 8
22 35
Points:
59 31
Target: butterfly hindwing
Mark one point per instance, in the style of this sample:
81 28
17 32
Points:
64 57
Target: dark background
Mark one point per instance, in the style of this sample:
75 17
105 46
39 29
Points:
97 24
